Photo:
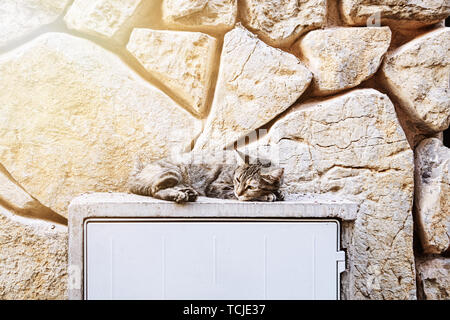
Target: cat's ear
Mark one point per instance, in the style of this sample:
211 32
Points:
241 158
272 175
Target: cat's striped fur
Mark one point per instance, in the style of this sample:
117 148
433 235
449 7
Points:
185 179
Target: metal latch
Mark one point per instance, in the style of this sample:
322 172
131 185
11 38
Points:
340 259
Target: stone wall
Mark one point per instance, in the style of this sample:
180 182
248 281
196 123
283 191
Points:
353 95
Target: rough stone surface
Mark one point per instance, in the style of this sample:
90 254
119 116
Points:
248 93
107 19
201 15
14 198
33 255
432 195
342 58
398 13
353 146
280 22
184 61
434 278
74 115
19 18
75 127
417 74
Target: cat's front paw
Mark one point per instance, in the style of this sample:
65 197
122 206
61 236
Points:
268 198
280 195
191 195
186 195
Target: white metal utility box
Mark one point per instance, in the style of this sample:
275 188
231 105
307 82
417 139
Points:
131 247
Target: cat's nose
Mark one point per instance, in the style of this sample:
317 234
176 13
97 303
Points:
238 191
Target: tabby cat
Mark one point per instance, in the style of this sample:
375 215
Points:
184 179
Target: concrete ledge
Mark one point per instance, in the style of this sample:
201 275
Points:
122 205
130 205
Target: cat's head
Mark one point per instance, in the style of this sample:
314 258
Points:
256 179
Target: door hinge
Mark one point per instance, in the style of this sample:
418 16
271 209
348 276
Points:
340 259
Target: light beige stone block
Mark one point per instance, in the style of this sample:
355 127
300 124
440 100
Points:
434 278
14 198
33 258
342 58
184 61
215 16
108 19
19 18
77 126
418 75
432 195
398 13
354 147
281 22
256 82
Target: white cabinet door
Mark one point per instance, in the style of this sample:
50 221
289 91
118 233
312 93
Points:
241 259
